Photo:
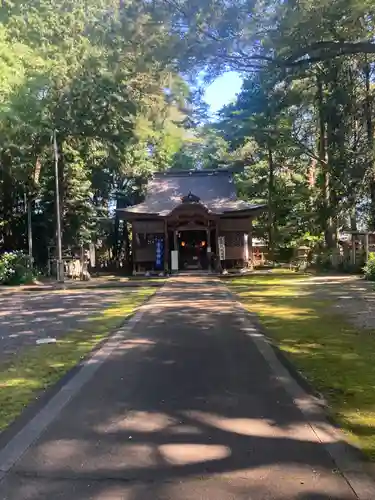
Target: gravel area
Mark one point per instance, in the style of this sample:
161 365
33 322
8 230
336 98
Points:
28 316
352 296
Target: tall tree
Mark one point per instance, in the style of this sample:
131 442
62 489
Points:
98 74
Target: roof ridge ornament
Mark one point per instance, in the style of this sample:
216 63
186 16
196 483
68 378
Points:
190 198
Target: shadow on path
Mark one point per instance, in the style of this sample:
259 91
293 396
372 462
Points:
186 409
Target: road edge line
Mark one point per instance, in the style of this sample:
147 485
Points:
342 452
17 446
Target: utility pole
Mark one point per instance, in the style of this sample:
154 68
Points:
60 263
28 209
30 232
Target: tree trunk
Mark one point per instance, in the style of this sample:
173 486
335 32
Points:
8 203
353 219
328 226
116 235
370 141
271 215
62 189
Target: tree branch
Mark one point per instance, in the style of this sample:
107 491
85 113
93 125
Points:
329 50
315 52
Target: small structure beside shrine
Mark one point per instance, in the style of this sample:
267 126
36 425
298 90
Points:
191 220
355 247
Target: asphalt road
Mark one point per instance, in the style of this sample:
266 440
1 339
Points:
28 316
186 409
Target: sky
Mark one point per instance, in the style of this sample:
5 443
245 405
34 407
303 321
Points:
223 90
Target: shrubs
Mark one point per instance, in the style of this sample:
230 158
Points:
369 268
15 269
323 260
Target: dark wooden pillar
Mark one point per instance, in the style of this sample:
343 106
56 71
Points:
209 249
134 250
217 228
166 246
217 260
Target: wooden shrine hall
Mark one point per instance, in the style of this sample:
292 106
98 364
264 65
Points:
189 220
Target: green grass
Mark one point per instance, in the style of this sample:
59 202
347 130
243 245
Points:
38 367
336 357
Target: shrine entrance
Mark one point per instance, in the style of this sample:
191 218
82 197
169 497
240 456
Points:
192 248
179 223
191 226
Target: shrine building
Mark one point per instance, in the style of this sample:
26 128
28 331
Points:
189 217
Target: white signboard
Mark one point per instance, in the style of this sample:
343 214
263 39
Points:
221 245
92 255
174 260
246 247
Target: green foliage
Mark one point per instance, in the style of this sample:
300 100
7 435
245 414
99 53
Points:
307 102
99 73
247 35
323 260
15 269
259 128
205 149
106 75
369 268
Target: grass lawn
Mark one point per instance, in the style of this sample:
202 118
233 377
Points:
338 359
38 367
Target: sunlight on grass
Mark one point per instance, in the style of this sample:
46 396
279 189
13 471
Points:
334 356
39 367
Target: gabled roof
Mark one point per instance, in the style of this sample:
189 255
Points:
214 189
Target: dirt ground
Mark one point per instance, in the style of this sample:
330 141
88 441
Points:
352 296
26 317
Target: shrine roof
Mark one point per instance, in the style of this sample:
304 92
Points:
214 189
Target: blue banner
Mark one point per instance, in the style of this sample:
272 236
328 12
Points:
159 254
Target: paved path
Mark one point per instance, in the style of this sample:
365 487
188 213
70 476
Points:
28 315
186 409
